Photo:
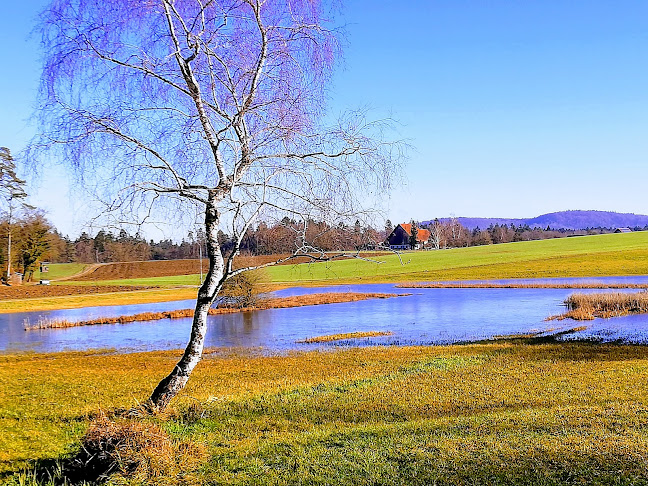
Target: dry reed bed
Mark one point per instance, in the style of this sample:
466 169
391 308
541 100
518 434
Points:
585 307
495 285
275 303
346 335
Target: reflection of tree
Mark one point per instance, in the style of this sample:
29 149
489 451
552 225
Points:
248 322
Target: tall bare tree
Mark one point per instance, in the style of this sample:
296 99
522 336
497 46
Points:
12 191
215 103
436 233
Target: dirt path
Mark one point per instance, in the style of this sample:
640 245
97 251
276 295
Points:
88 269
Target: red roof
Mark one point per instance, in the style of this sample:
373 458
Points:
422 235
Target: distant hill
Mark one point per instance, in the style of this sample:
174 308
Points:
573 220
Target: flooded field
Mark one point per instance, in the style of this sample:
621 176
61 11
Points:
429 316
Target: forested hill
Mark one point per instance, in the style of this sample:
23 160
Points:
574 220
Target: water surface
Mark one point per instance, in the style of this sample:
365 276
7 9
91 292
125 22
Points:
429 316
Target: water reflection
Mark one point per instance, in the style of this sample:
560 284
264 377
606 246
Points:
429 316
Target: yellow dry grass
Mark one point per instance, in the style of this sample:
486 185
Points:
583 307
514 285
115 298
344 336
497 413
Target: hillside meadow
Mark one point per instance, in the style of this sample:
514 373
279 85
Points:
586 256
499 413
520 411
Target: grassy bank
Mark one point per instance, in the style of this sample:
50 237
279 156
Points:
102 299
501 413
514 285
588 256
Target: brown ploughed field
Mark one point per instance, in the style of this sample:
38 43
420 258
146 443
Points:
164 268
36 291
153 268
169 268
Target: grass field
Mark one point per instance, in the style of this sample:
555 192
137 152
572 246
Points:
165 281
101 299
502 413
588 256
60 270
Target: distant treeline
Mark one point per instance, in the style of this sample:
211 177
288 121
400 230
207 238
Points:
35 239
452 234
264 239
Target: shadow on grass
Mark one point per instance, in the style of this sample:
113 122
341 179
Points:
552 346
135 449
413 454
416 455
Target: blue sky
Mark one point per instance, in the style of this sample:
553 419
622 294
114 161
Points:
513 108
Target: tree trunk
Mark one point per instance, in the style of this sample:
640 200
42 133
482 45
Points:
170 386
9 244
9 252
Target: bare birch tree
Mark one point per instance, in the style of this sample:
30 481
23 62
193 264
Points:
214 103
436 233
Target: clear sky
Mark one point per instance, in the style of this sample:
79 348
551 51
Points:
514 109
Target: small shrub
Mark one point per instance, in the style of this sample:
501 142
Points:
243 290
127 447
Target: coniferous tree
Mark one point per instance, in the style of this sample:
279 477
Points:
413 239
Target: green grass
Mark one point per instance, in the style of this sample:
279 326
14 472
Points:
587 256
501 413
601 255
60 270
172 281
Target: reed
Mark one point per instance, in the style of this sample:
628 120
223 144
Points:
583 307
274 303
344 336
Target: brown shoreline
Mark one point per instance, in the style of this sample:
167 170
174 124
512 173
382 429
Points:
487 285
274 303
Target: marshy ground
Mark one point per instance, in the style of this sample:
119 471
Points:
260 304
587 307
516 412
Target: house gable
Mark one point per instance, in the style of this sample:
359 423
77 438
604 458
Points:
399 239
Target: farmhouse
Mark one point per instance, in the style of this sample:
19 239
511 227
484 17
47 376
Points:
399 239
623 230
